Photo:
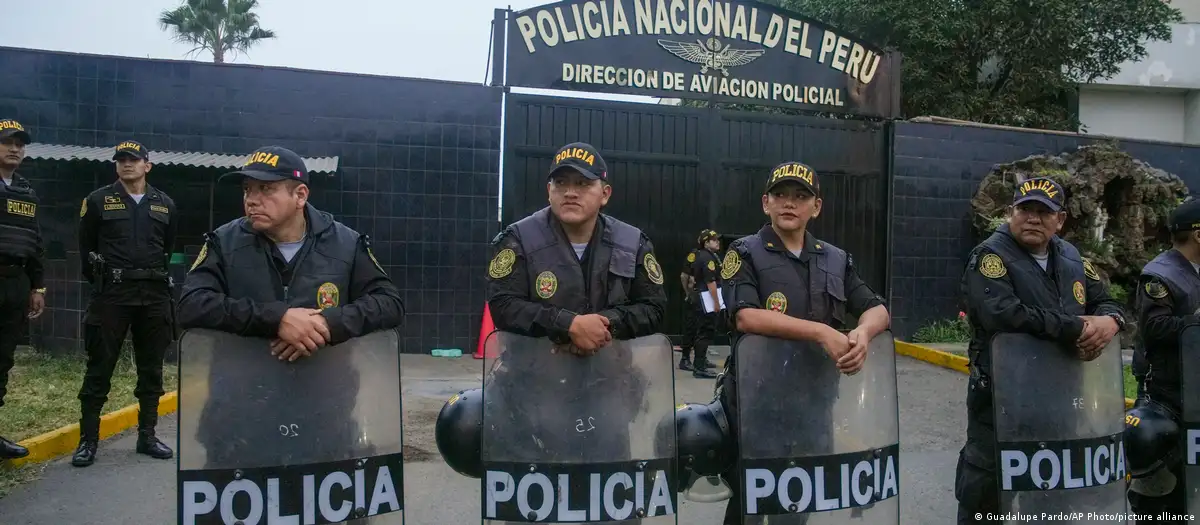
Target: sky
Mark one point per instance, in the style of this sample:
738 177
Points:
437 39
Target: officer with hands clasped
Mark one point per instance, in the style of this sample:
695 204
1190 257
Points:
22 285
783 282
571 273
1168 301
704 279
127 232
1024 278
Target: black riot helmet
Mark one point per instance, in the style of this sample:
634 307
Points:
703 441
459 432
1151 447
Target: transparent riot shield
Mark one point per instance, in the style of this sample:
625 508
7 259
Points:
1189 379
817 446
571 438
316 441
1059 421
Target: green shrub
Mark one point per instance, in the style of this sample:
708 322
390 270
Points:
945 331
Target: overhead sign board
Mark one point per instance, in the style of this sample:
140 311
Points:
726 51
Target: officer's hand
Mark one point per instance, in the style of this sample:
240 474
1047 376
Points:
853 360
37 304
287 352
302 329
1098 330
590 332
836 344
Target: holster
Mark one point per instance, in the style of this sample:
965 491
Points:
99 272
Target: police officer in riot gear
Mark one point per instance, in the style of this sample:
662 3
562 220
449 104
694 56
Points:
785 283
1023 279
127 232
1168 297
288 272
22 285
705 272
571 273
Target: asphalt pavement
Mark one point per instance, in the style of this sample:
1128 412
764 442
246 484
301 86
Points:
123 488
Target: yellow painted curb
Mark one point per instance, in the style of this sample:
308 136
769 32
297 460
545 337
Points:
64 440
945 359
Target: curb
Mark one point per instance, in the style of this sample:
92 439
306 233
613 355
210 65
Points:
64 440
957 363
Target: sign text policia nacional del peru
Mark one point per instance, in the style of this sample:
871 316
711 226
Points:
731 51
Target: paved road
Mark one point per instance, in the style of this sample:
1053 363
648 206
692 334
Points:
123 488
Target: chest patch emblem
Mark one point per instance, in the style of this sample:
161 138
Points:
547 284
731 264
1078 289
777 302
502 263
992 267
653 270
25 209
327 296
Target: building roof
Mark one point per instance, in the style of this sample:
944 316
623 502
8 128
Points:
195 159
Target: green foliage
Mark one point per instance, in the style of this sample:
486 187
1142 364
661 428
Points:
220 26
1010 62
1119 293
944 331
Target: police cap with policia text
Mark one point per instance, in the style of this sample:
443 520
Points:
1041 190
12 128
794 172
582 157
1185 217
130 148
272 163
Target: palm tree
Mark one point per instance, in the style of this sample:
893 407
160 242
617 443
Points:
220 26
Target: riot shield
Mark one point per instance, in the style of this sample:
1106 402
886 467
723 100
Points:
570 438
317 440
1059 420
1189 382
817 446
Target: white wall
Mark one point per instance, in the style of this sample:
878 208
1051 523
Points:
1189 8
1140 113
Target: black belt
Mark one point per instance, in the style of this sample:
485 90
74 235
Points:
8 260
136 274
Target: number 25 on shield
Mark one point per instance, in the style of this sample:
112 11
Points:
591 425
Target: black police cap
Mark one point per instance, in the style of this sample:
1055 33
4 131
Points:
1185 217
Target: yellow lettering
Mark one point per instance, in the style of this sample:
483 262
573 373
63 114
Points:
130 145
111 207
1043 186
1132 420
27 209
11 124
792 170
160 209
269 159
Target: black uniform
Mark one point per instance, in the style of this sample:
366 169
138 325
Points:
688 339
21 268
130 293
1023 299
819 285
706 269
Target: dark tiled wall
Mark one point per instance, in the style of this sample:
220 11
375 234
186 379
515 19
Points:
418 169
937 168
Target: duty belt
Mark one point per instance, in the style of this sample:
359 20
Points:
11 266
118 275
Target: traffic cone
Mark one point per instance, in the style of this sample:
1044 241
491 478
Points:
485 329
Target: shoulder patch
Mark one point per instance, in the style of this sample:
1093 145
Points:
376 261
1155 289
652 269
83 210
712 265
200 257
502 264
1090 271
992 266
731 264
691 257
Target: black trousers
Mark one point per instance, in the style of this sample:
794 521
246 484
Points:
105 327
704 330
14 307
689 329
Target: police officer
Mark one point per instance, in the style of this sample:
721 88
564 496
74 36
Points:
1014 282
1168 299
783 282
688 340
571 273
127 232
705 272
288 272
22 286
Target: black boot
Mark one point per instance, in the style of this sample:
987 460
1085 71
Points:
10 450
685 364
701 370
147 442
89 438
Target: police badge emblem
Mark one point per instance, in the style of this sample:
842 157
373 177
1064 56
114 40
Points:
777 302
327 296
547 284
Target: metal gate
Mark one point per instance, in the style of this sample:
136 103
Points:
676 170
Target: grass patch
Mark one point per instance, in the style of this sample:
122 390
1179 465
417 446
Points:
1130 382
944 331
42 396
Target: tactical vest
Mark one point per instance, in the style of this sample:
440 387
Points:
1030 284
556 275
18 224
1177 273
322 267
777 282
123 241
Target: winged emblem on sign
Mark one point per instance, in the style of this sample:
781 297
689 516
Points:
711 54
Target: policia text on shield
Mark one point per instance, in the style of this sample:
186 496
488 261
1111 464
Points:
1045 390
22 285
127 232
580 380
290 325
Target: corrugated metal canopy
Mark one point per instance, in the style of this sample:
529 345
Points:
197 159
